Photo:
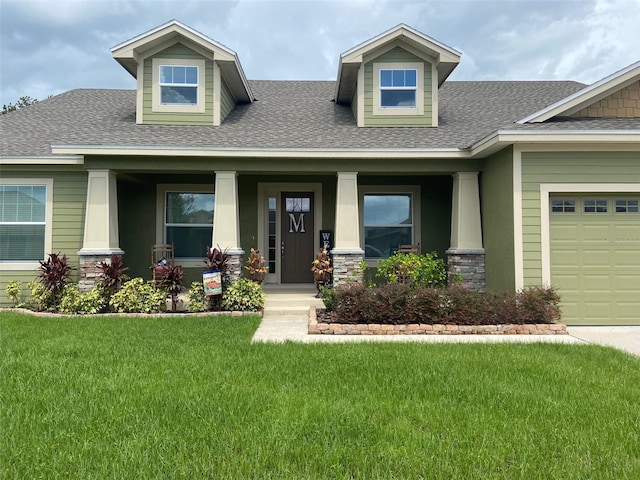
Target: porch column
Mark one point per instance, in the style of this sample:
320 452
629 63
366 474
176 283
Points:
101 238
226 221
347 253
465 257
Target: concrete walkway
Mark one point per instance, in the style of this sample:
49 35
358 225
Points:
286 314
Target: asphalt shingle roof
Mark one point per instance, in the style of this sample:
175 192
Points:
288 115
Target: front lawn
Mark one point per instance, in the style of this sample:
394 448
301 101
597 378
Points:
191 397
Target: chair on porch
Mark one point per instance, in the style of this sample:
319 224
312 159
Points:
161 255
409 248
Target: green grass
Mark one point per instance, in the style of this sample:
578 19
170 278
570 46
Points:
187 397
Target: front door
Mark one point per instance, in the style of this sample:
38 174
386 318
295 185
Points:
296 237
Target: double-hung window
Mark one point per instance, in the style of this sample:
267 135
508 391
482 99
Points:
398 88
24 233
178 85
389 220
188 222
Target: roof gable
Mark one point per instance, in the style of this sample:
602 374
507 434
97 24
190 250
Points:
587 96
445 58
132 53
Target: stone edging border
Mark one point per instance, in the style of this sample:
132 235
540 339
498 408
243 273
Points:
133 315
316 328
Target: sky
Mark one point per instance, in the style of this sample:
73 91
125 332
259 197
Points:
51 46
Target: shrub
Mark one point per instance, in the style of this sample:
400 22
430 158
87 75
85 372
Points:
169 278
138 296
54 275
425 270
396 303
13 290
42 298
197 300
218 260
329 298
243 295
255 267
112 275
538 305
75 302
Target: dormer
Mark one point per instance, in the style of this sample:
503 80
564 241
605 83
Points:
392 80
183 77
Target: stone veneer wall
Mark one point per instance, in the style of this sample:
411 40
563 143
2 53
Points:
346 268
316 328
234 272
89 270
467 267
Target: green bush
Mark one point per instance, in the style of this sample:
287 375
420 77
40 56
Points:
42 299
329 298
425 270
243 295
13 289
197 299
75 302
138 296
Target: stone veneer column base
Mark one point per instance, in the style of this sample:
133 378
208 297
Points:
466 266
89 270
346 267
234 272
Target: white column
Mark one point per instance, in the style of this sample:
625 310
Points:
347 235
226 214
466 230
101 215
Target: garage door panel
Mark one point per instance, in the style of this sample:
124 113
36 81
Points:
590 257
594 233
595 264
565 258
595 283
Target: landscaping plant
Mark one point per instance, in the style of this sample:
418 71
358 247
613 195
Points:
198 301
112 275
138 296
418 270
169 278
243 295
255 267
397 303
82 303
54 275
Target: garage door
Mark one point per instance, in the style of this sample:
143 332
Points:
595 258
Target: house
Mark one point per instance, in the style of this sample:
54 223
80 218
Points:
514 183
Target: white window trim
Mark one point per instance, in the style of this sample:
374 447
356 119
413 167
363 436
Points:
161 199
413 190
156 106
548 189
418 109
48 229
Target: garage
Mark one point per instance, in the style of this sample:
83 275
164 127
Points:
595 257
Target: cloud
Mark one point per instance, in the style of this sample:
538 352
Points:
47 47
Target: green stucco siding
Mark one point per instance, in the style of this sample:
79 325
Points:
227 100
69 200
177 51
496 198
396 55
564 167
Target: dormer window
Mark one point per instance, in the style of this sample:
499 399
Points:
398 88
178 85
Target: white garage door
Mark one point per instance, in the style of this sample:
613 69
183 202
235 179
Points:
595 258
